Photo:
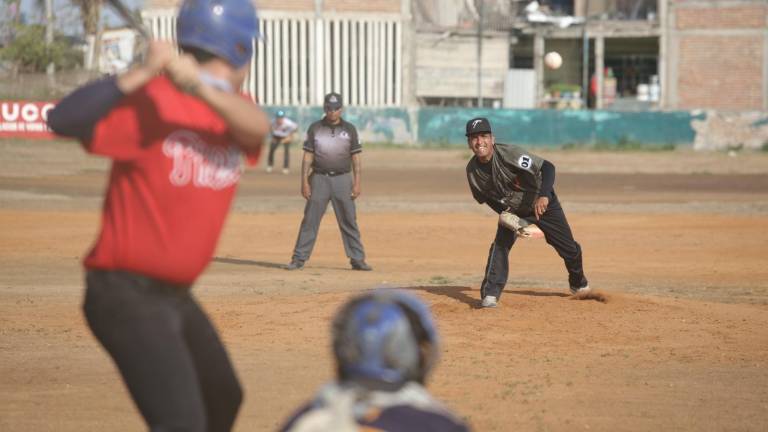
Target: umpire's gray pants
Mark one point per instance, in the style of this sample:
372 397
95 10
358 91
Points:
337 190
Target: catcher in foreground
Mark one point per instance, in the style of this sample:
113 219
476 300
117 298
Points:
519 186
385 344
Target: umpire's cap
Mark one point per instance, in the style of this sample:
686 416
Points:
332 102
478 125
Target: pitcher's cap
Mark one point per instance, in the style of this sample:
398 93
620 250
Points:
478 125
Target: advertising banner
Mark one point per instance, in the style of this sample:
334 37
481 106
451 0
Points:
25 119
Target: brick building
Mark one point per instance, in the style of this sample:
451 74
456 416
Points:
634 54
716 54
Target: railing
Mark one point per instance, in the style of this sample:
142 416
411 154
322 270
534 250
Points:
300 58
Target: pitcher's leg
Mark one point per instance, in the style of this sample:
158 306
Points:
313 214
558 234
497 266
346 216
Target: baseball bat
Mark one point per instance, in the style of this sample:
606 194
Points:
132 20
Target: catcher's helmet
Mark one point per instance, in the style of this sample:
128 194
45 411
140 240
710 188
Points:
224 28
384 338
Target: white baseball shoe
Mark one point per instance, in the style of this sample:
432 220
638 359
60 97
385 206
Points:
583 290
269 169
490 302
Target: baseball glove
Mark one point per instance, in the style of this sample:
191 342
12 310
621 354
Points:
522 227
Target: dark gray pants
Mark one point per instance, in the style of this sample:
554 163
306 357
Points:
166 349
337 190
557 233
273 145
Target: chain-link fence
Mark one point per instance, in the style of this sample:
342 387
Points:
39 86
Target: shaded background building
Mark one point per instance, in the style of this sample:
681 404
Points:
618 54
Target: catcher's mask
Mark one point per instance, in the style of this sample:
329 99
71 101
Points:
384 339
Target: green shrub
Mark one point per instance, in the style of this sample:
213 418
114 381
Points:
29 51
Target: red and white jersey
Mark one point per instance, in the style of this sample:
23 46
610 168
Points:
174 174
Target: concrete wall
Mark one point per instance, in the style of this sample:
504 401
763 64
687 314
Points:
702 130
446 65
717 54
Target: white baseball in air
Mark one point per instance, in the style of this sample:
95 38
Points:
553 60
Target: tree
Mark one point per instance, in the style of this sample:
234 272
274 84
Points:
90 13
29 53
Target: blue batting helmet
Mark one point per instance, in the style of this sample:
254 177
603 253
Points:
224 28
386 337
280 113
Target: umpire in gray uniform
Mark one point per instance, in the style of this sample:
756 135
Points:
330 171
509 179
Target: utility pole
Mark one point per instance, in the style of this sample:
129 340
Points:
51 68
585 57
480 54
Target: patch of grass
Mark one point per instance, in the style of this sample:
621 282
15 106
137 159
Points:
439 280
440 145
419 146
385 145
625 143
577 146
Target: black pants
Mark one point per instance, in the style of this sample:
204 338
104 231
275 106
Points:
166 349
273 145
557 233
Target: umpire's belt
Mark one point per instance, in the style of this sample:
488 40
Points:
330 173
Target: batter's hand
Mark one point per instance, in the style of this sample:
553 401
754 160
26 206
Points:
355 191
159 54
540 206
306 190
184 71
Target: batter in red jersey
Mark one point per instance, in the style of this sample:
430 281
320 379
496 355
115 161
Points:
177 132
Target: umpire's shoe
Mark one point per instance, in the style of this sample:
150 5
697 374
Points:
294 265
360 265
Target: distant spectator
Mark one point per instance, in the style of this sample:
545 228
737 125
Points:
283 130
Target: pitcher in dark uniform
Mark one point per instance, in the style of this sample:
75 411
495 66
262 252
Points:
330 171
509 179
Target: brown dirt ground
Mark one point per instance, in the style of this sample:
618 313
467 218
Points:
676 241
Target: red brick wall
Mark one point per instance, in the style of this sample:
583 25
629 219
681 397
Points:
726 17
290 5
722 72
721 54
390 6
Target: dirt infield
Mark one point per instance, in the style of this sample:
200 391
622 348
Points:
676 241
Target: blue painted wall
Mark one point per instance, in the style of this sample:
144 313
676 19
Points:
556 128
533 128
